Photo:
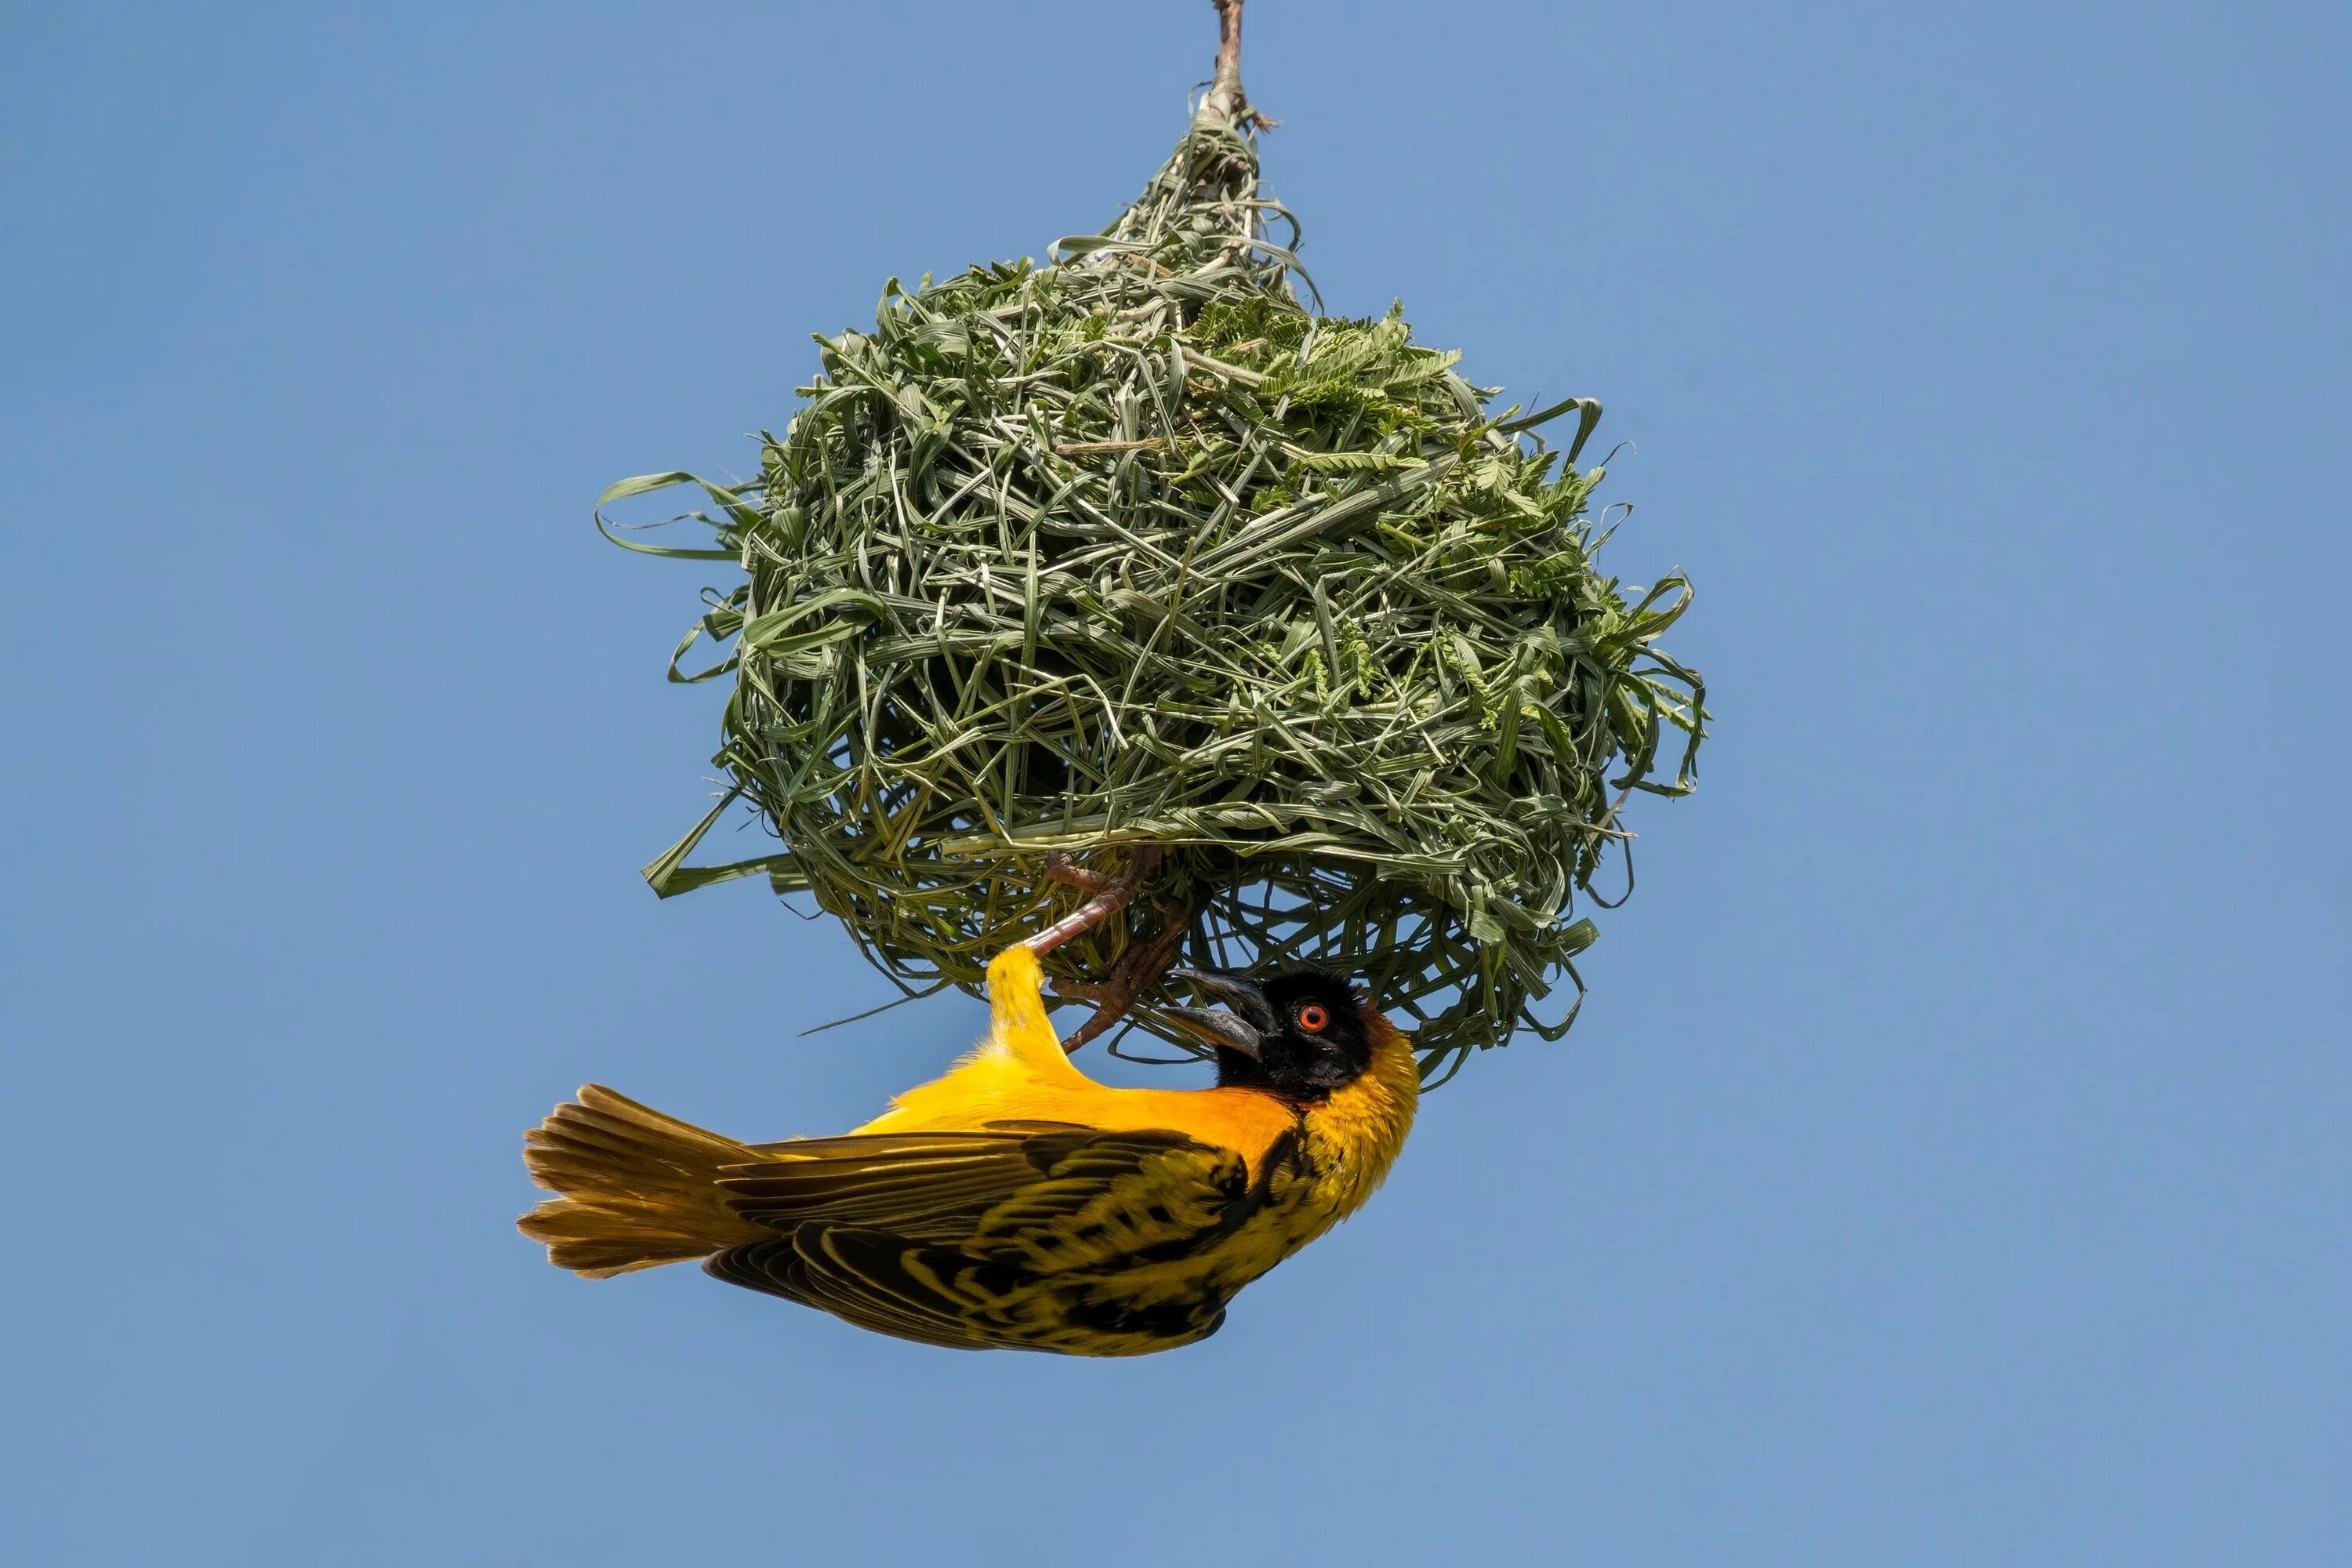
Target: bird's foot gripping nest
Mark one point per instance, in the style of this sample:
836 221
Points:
1137 969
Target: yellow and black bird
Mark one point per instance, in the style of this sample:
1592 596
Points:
1015 1203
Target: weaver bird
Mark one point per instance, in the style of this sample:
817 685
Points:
1014 1202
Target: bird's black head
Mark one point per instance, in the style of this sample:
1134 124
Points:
1299 1034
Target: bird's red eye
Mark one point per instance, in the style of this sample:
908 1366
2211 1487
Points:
1314 1019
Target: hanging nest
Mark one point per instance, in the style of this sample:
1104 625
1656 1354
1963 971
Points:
1135 559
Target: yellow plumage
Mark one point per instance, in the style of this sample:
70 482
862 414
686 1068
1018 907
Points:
1012 1203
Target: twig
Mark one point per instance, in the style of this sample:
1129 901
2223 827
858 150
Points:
1225 97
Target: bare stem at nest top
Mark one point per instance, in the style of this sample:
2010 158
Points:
1226 98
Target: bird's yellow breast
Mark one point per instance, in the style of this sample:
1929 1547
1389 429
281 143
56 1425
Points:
1355 1135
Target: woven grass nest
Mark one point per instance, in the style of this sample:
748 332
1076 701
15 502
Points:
1135 561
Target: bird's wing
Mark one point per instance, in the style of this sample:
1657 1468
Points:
1011 1237
988 1189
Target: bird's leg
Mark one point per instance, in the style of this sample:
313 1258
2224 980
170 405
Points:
1114 895
1142 963
1061 869
1137 969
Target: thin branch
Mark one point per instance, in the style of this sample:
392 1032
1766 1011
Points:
1225 97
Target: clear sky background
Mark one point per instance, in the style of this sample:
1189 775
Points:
1952 1164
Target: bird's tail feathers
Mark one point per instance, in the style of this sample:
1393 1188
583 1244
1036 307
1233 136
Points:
634 1188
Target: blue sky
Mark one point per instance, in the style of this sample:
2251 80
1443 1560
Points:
1950 1167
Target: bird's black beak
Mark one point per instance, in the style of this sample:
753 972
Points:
1242 1025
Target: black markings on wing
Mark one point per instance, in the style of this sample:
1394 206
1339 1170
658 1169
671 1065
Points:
807 1275
1043 1239
993 1187
944 1296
